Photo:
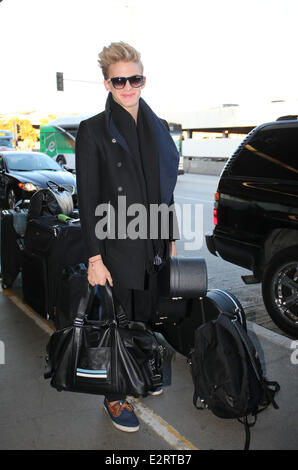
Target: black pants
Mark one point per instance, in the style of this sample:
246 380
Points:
139 305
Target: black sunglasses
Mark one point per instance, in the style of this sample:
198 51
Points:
119 82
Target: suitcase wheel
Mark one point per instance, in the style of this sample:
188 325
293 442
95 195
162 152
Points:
7 282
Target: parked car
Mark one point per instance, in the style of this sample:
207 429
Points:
256 216
23 173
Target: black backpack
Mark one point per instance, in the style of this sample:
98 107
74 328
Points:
227 373
53 200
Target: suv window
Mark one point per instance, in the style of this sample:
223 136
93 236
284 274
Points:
271 152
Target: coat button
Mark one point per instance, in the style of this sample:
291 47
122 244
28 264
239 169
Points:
114 141
120 189
119 164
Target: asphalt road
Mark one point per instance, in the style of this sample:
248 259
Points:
198 190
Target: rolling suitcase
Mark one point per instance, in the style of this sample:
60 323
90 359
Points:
60 244
72 286
178 318
35 281
13 226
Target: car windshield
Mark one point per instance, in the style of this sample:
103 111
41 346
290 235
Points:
30 161
5 142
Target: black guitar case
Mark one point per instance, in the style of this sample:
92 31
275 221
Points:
185 302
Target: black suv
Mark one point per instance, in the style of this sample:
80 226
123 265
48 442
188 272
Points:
256 216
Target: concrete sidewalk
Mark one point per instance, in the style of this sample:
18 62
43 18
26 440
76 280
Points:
34 416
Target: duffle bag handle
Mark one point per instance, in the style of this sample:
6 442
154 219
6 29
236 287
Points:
86 303
114 310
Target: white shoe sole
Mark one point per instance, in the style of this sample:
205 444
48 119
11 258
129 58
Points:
155 394
121 428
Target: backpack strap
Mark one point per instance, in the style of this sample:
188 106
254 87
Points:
247 434
247 427
270 389
270 396
195 379
266 384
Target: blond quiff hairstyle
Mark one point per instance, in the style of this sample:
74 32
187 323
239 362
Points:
116 52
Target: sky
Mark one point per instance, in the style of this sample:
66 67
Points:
196 54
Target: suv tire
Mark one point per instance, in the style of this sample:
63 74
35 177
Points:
280 290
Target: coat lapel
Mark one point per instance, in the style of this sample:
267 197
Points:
113 129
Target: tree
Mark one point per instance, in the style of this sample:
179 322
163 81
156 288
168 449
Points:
46 120
27 131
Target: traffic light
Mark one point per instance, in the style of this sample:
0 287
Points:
60 81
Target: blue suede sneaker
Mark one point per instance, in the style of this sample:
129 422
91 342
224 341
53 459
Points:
122 415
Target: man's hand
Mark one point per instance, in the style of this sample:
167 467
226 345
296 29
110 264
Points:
98 273
173 249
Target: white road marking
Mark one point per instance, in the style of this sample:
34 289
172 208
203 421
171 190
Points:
161 427
41 322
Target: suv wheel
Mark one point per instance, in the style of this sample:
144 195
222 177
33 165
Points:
280 290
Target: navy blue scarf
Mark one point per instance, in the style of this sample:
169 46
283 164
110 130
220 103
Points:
168 156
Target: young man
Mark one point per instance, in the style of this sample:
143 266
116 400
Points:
126 158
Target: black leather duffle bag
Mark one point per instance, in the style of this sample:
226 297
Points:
109 356
183 277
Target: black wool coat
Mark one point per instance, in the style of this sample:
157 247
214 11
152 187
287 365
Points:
107 169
